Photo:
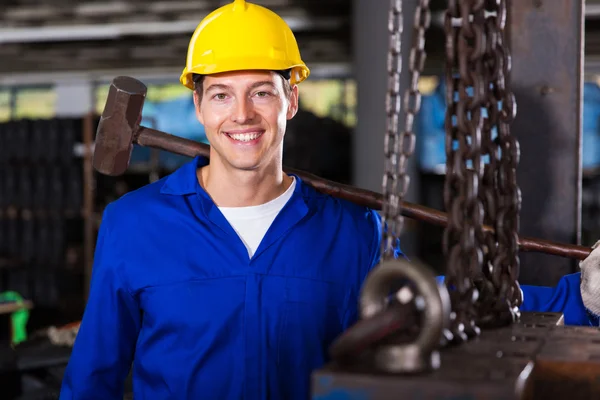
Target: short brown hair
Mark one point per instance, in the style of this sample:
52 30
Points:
199 85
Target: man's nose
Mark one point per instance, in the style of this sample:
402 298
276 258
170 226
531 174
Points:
243 112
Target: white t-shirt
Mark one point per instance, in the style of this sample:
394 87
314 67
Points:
251 223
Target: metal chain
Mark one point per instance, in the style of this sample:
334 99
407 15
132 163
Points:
464 238
501 305
399 146
483 266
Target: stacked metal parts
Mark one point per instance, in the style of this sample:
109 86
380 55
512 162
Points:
40 206
465 337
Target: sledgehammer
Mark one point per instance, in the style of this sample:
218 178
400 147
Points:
119 129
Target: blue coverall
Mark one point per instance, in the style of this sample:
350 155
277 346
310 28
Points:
175 296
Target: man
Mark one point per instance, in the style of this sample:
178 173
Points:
228 279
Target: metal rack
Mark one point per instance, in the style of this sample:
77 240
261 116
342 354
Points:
47 210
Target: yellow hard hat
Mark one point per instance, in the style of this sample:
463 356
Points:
243 36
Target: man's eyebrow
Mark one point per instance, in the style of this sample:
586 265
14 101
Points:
217 86
262 83
221 86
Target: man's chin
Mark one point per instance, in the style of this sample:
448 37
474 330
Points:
246 165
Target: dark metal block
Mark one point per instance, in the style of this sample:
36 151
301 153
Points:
514 362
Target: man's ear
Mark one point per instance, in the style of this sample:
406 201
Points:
293 103
197 103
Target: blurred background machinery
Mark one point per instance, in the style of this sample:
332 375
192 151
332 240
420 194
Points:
58 58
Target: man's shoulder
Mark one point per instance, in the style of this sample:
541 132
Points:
140 204
144 195
163 192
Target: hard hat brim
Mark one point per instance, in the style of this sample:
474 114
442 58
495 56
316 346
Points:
299 72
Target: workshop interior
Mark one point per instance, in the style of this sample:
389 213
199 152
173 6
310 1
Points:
60 58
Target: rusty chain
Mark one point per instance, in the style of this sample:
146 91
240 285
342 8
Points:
482 270
464 239
482 267
399 146
501 305
487 305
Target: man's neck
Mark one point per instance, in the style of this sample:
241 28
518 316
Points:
229 187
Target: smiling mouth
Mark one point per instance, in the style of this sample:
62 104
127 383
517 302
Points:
245 137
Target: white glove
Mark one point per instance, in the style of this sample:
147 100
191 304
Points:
590 280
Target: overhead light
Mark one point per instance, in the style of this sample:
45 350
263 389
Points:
93 32
118 30
592 10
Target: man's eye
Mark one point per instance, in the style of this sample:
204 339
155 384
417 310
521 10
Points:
220 96
262 94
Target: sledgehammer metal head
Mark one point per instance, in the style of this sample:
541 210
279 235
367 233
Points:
119 122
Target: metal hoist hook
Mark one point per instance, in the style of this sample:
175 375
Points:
433 301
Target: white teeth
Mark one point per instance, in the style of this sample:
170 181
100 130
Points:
244 137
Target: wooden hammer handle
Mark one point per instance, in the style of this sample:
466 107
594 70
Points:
148 137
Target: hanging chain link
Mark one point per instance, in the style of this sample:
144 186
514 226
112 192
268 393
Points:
399 146
500 303
464 238
483 266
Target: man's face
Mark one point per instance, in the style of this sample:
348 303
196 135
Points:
244 115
